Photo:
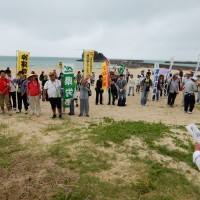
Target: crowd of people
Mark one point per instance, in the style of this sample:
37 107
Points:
17 90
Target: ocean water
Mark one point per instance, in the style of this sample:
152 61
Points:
46 62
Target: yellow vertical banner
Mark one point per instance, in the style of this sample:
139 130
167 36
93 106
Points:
88 62
23 60
105 74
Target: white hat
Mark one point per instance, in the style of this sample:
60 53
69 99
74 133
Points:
30 75
194 78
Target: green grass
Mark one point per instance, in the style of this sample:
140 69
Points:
83 163
9 145
177 155
3 126
90 161
117 132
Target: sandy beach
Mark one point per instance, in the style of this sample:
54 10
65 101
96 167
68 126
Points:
154 111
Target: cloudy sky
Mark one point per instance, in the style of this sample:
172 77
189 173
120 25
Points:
131 29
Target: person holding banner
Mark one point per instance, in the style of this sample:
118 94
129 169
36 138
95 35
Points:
53 87
21 92
84 98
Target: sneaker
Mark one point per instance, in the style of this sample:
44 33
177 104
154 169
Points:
108 103
54 116
189 112
80 115
18 111
60 116
87 115
26 112
113 103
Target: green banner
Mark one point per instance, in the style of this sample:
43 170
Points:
68 85
121 69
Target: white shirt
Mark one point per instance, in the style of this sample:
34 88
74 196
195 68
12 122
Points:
196 158
12 85
131 82
53 88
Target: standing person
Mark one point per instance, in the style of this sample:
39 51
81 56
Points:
99 90
131 84
21 92
185 79
127 75
52 87
71 107
112 91
138 84
146 84
34 93
12 93
84 98
92 79
121 89
78 79
159 89
42 76
173 90
43 83
189 99
4 92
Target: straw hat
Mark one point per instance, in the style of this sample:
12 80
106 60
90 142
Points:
30 75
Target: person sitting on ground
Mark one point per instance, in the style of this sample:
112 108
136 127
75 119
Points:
53 88
4 92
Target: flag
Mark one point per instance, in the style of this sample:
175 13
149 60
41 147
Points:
68 85
23 62
88 62
106 75
121 69
156 76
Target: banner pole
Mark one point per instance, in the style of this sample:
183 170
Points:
16 60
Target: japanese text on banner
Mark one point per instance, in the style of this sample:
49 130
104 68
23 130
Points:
23 62
156 77
88 63
68 85
106 75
